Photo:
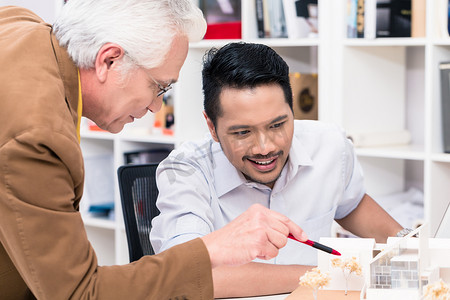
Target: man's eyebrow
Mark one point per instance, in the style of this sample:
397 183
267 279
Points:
172 81
239 127
279 118
163 82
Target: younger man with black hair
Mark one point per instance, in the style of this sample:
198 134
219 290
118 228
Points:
257 153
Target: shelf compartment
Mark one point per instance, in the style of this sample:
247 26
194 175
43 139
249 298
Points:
103 223
389 97
385 42
411 152
384 176
97 135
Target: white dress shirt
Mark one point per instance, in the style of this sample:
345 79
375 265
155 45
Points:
201 191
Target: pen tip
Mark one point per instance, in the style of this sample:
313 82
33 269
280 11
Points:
335 253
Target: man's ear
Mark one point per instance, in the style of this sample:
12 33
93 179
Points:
211 127
107 58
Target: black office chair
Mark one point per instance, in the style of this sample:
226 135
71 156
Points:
138 193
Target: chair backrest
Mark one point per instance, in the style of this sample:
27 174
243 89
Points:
138 194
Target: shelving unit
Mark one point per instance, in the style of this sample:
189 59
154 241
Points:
392 84
365 85
107 235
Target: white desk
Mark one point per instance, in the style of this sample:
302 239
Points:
272 297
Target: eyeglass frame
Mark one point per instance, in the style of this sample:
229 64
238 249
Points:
162 89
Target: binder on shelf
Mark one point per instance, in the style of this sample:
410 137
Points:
260 18
442 17
445 104
352 6
305 96
270 19
418 9
393 18
266 17
360 19
277 19
370 19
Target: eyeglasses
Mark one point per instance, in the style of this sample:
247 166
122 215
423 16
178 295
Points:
162 89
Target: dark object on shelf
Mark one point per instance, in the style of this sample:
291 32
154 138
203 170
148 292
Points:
146 156
101 210
260 18
448 18
445 104
305 96
301 17
138 194
302 7
360 19
223 18
393 18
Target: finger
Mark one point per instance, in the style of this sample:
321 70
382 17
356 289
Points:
277 225
274 214
277 238
290 226
268 252
297 232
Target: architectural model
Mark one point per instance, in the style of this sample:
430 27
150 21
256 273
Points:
348 266
314 279
436 291
400 269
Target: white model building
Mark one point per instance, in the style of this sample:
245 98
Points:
396 270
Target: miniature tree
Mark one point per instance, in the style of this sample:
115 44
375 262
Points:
348 267
436 291
315 279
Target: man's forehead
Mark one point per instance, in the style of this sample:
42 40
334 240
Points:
249 123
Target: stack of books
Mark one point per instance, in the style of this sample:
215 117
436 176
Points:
385 18
287 18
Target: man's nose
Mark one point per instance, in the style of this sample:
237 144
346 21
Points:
155 105
263 144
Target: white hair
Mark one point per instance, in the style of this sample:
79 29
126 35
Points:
145 29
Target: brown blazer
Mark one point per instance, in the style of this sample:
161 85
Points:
44 250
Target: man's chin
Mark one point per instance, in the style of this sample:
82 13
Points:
269 181
116 130
114 127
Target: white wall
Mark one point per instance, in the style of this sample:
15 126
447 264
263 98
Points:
46 9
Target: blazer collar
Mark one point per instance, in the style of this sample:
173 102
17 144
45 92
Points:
69 74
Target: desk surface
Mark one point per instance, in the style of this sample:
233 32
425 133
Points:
304 293
272 297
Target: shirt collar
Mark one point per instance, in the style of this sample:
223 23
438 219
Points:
227 177
298 157
69 74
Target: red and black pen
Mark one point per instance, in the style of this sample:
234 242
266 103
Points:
316 245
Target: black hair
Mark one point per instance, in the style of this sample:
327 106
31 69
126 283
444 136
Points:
241 65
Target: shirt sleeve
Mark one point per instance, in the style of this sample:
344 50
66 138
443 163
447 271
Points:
353 181
184 202
43 233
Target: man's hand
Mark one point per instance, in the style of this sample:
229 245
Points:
257 233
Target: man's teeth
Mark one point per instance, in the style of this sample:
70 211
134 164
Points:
263 162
